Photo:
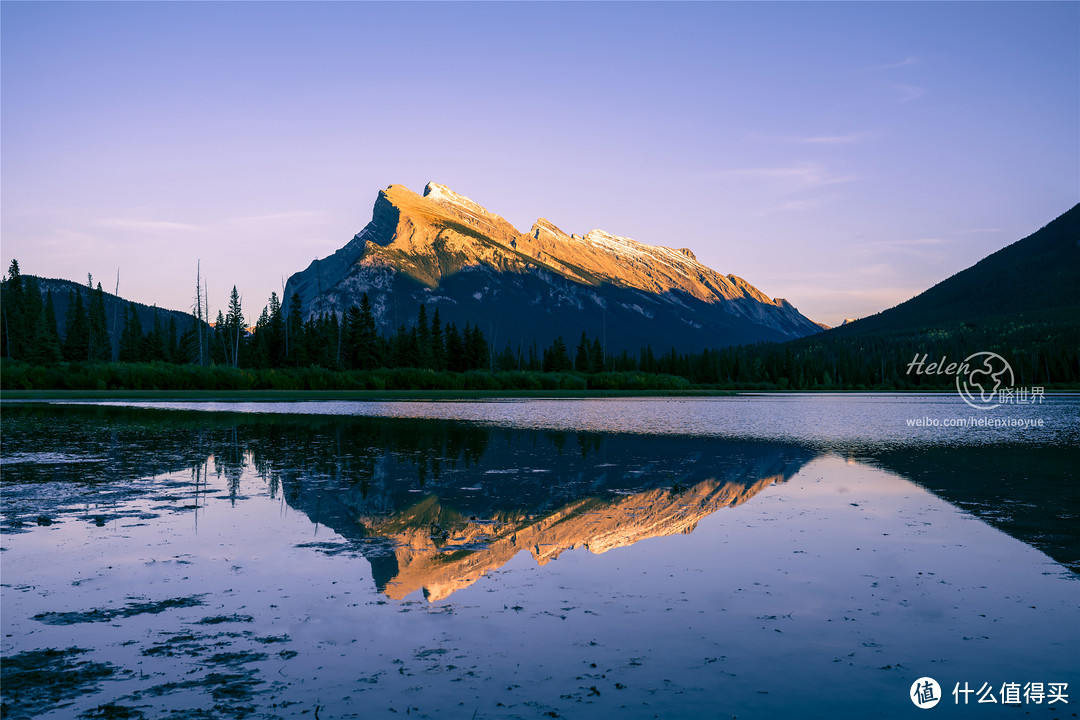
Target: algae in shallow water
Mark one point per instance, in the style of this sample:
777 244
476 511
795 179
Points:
106 614
36 681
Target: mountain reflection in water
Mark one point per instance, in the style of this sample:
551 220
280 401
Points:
441 550
432 505
436 504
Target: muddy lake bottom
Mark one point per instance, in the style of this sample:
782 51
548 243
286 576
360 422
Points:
158 564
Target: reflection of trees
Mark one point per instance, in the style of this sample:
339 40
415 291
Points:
112 444
375 466
360 458
229 460
1028 491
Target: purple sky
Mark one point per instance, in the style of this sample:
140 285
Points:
845 156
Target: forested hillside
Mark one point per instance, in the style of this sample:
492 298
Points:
1020 302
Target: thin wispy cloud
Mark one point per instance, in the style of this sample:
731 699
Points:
916 242
907 93
793 177
841 139
799 205
909 60
793 205
64 236
878 270
146 225
149 225
68 244
929 248
848 139
272 217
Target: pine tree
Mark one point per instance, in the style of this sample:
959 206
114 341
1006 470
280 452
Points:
275 340
258 343
76 330
350 329
296 350
12 301
423 338
187 344
438 347
155 344
333 334
597 362
100 343
475 348
368 348
556 357
648 362
219 349
47 338
234 329
561 355
455 349
581 359
173 353
131 338
33 316
535 363
506 360
412 348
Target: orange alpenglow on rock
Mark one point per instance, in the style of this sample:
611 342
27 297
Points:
441 552
443 248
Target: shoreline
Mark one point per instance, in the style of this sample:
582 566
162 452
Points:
25 396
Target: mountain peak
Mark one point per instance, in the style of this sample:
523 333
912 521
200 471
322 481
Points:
445 196
445 248
545 226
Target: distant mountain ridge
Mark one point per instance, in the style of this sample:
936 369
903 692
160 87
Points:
447 251
1020 302
115 308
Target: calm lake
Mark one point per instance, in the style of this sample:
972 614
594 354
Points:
805 556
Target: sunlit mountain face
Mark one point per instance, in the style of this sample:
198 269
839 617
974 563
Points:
450 253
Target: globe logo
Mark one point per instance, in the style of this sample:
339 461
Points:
982 378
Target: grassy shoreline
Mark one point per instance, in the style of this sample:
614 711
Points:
372 395
161 381
23 396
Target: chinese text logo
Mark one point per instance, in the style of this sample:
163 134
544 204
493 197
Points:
925 693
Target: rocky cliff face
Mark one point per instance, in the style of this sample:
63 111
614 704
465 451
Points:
446 250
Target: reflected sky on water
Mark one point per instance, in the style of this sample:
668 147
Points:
260 565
